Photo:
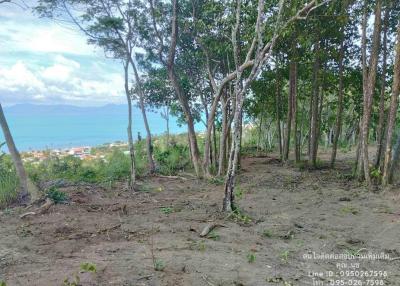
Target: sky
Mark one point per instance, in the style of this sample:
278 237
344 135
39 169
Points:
46 62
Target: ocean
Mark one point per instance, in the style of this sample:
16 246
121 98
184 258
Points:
38 127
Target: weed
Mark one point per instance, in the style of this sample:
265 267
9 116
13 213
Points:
159 265
349 209
2 283
267 233
213 235
88 267
239 193
57 196
166 210
251 257
75 282
238 216
284 255
217 181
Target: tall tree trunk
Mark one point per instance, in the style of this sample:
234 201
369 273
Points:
289 118
392 113
339 111
23 195
395 159
381 121
369 85
224 133
228 202
278 112
314 108
294 111
132 177
149 145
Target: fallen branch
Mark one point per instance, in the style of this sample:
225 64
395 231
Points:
41 210
172 177
109 228
208 228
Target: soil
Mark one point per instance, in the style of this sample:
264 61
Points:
287 215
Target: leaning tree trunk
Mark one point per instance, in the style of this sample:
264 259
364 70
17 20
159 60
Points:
132 177
381 121
339 112
392 112
19 167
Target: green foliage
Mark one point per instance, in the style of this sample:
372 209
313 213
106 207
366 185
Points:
166 210
267 233
56 196
213 235
8 181
251 257
88 267
159 265
75 282
284 255
2 283
349 209
174 159
238 216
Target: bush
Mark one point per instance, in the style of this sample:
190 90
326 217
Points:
8 181
172 160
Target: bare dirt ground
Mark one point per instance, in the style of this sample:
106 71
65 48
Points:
292 214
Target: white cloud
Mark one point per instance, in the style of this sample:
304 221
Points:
61 82
61 70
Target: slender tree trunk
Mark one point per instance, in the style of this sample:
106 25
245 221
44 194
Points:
314 108
395 159
132 177
289 118
149 145
368 92
392 113
294 112
23 195
215 146
278 112
228 202
224 134
381 121
339 111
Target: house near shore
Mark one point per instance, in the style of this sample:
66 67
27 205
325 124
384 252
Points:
80 152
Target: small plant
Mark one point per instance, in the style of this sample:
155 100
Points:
159 265
2 283
217 181
376 173
267 233
166 210
56 196
239 193
349 210
88 267
75 282
238 216
285 256
251 257
213 235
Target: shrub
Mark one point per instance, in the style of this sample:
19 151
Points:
8 181
57 196
172 160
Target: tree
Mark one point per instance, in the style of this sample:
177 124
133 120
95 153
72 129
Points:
392 112
19 167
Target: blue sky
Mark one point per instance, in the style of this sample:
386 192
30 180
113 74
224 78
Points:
46 62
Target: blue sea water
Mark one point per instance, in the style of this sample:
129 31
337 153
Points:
38 127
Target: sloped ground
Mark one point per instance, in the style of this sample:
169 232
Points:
291 214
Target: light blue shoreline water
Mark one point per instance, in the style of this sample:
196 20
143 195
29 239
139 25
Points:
38 127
